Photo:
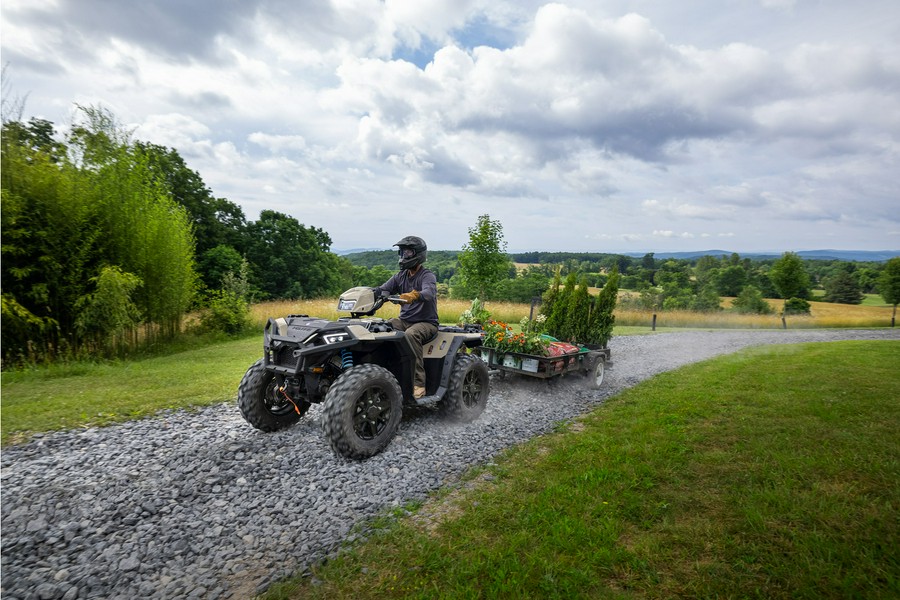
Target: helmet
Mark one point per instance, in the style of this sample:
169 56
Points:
412 252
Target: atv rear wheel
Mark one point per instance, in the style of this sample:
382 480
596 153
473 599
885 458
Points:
362 411
596 372
468 390
261 403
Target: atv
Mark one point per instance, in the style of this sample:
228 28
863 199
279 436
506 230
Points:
362 369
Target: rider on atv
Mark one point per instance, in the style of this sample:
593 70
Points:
417 287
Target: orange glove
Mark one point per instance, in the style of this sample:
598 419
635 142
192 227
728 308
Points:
410 297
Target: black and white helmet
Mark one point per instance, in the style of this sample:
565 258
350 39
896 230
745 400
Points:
412 251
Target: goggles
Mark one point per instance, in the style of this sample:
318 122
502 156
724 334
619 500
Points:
407 252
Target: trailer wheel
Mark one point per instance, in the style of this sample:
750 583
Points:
362 411
261 404
467 393
596 372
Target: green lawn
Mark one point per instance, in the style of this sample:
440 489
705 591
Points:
82 394
773 473
874 300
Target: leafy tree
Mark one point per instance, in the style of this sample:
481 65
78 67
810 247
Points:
288 260
843 288
216 221
38 135
706 300
218 261
371 277
731 280
751 301
531 283
759 278
790 277
889 284
868 279
651 298
483 262
706 269
796 306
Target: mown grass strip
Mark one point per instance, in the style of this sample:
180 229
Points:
85 394
773 473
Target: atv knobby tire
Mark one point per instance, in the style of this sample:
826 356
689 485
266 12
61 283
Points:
362 411
468 390
262 405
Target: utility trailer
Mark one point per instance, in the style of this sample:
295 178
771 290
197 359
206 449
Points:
589 360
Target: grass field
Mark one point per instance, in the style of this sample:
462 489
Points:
823 314
706 482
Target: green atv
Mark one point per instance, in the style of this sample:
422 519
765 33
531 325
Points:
363 370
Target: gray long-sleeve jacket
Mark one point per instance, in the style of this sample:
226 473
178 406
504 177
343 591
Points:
425 310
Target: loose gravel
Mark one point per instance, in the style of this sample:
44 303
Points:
197 504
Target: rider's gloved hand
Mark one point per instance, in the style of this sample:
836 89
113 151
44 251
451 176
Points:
410 297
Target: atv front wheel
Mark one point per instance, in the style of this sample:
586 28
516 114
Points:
468 390
362 411
263 405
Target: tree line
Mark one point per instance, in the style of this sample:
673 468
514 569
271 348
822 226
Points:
670 283
108 242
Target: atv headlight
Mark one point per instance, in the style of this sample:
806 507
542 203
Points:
346 305
333 338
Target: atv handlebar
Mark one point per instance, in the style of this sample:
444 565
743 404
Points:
397 300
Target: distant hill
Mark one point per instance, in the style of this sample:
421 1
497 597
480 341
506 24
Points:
369 258
845 255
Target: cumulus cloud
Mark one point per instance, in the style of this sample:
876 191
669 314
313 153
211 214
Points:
556 116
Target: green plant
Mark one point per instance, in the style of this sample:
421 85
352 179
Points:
476 314
602 319
502 338
227 312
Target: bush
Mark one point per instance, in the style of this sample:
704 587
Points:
227 313
751 301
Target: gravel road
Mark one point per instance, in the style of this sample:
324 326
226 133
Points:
197 504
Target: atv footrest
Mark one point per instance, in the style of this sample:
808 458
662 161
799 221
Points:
427 400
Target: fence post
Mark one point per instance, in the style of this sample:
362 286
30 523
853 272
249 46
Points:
654 321
535 301
783 322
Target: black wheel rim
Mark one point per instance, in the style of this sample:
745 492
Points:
274 401
471 388
372 413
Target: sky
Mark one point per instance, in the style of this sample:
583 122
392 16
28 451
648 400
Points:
579 126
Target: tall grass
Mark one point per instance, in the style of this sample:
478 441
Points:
448 310
823 315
